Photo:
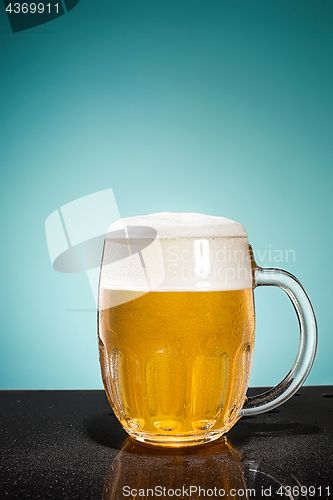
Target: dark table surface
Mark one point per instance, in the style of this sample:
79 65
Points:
68 444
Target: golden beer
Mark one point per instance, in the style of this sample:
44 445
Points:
176 364
176 326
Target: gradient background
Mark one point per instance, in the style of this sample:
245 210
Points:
222 107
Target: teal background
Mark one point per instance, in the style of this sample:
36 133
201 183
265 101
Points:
221 107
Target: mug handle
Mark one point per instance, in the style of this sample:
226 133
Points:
307 346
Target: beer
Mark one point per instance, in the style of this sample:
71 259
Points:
176 363
176 326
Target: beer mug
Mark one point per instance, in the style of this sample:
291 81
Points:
176 327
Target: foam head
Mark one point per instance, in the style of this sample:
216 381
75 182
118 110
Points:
176 252
181 225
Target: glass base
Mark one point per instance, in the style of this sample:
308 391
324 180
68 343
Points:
175 440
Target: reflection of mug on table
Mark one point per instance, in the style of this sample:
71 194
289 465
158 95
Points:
216 470
176 327
140 471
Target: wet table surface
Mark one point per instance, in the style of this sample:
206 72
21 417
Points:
68 444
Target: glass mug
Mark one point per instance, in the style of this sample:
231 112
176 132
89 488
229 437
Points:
176 327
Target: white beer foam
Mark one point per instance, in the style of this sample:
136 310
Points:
180 225
191 252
